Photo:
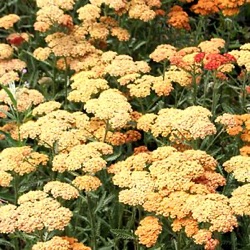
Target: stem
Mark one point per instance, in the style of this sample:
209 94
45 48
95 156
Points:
92 224
106 131
15 186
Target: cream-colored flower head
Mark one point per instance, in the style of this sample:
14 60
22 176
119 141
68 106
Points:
163 52
214 209
87 183
111 106
85 86
25 97
86 157
8 21
38 211
42 54
212 46
240 200
122 65
8 217
6 51
55 126
65 4
45 108
21 160
60 189
60 243
89 13
189 124
5 179
240 167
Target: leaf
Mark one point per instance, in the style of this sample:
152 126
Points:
11 96
122 234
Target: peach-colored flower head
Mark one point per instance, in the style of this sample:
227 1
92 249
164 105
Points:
60 189
8 21
148 231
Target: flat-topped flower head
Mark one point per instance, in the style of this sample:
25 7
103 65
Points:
60 189
110 106
38 211
8 21
148 231
21 160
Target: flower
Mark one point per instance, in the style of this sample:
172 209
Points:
178 18
89 13
148 231
240 200
6 51
141 11
240 166
8 21
86 157
60 189
42 54
5 179
212 46
37 211
87 183
205 7
25 98
85 85
21 160
163 52
17 39
214 209
45 108
111 106
8 217
122 65
65 5
60 243
189 124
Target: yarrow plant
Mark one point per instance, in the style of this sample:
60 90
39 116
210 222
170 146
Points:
124 125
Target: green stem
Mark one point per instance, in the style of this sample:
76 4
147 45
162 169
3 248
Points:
15 186
92 224
106 131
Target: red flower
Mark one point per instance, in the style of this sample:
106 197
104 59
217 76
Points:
15 39
199 57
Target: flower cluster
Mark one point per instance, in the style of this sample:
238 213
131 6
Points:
60 189
36 211
85 85
237 125
179 125
59 126
24 97
112 107
87 157
21 160
240 167
177 185
178 18
148 231
62 243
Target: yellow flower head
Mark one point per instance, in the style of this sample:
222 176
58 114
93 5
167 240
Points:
87 183
8 21
111 106
8 217
37 211
240 200
21 160
60 189
240 167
